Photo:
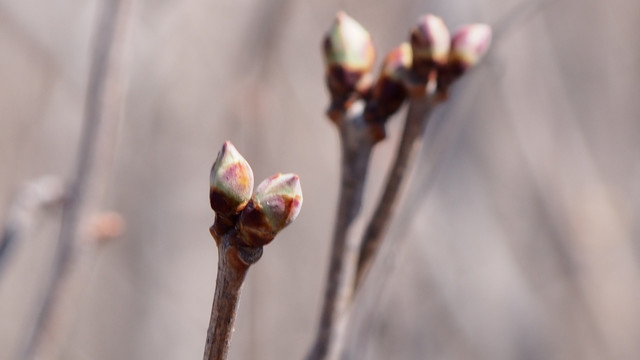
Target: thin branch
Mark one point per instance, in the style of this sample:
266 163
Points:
244 223
417 118
357 144
416 122
232 270
26 210
93 111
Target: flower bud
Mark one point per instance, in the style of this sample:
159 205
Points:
230 182
430 42
389 92
275 204
349 54
469 44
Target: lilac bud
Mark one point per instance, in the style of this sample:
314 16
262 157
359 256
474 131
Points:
389 92
349 54
275 204
397 62
430 42
230 181
469 44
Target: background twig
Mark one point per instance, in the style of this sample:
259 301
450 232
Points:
25 211
71 211
356 144
415 124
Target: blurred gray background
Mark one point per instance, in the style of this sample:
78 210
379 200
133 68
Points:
518 237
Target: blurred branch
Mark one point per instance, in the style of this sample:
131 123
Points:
415 125
356 145
411 142
25 211
105 54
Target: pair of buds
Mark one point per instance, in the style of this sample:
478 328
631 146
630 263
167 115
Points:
431 57
257 216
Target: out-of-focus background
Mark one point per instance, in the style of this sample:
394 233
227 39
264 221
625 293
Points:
518 237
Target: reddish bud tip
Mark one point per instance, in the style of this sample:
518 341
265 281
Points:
275 204
469 44
397 62
430 42
230 182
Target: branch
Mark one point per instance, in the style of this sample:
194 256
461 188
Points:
421 70
244 223
429 81
357 143
415 125
97 93
26 210
233 263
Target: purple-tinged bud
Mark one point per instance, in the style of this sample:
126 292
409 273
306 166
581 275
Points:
230 182
275 204
389 92
430 42
469 44
349 54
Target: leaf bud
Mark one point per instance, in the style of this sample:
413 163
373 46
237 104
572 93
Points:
230 181
468 45
349 55
430 42
275 204
389 92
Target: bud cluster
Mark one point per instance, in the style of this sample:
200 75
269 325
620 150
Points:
432 59
257 216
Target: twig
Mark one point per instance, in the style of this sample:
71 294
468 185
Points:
25 210
94 106
357 143
360 108
424 70
415 124
233 263
244 223
467 46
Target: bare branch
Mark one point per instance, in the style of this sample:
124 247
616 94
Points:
104 55
416 122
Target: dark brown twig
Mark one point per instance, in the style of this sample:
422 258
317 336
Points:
234 260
